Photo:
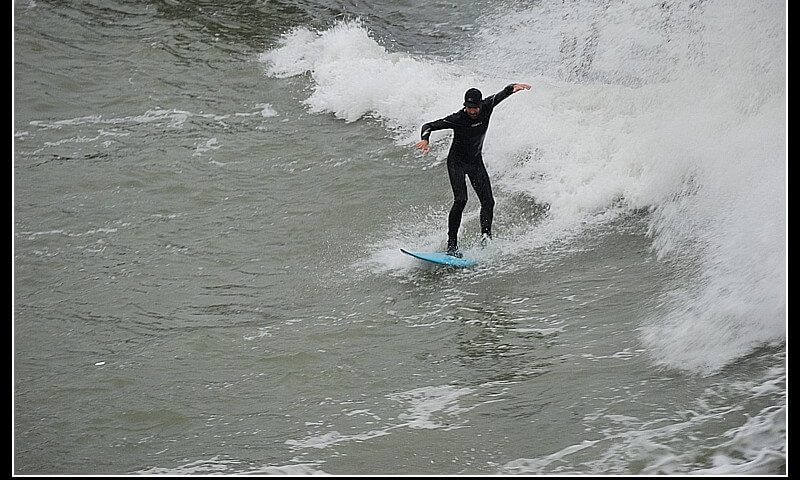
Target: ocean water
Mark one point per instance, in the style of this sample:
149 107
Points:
209 200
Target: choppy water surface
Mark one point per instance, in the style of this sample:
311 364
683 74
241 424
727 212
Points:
209 202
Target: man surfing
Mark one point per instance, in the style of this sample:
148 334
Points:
466 160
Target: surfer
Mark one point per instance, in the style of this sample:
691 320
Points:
465 159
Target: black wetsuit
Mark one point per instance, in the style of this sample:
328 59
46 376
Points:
465 159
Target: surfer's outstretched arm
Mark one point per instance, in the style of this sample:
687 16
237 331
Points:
441 124
505 93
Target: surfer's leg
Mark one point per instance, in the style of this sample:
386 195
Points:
459 184
483 187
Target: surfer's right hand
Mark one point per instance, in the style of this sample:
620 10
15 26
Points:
424 146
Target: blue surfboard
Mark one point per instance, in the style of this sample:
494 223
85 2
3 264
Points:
442 259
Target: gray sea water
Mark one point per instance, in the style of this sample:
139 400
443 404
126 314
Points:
209 200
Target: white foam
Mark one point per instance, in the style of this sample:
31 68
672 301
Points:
354 77
267 110
430 408
669 445
332 438
224 466
175 119
204 147
426 404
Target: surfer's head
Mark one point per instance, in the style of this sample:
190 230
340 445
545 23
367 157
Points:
472 102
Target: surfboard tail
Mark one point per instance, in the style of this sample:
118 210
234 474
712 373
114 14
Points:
439 258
